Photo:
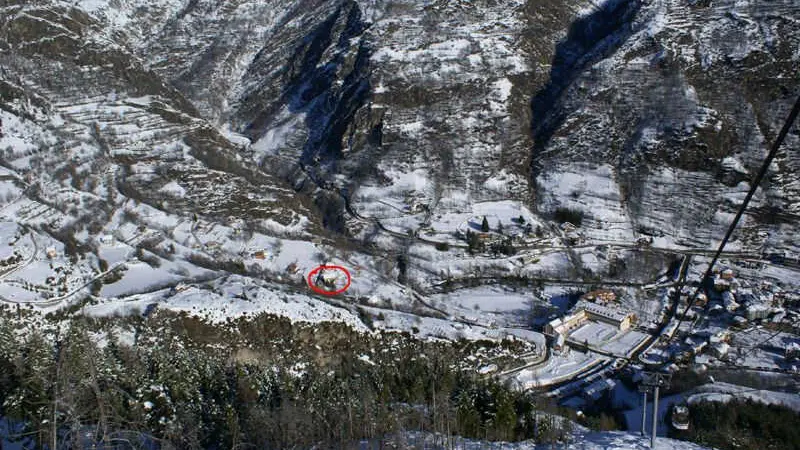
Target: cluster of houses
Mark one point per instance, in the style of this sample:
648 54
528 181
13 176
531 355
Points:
601 296
478 234
740 300
699 346
742 305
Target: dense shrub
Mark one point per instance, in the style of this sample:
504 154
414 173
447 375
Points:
572 216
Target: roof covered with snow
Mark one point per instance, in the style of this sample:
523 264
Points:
602 311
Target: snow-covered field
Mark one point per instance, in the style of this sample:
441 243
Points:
625 343
428 327
595 333
580 439
724 392
232 297
490 304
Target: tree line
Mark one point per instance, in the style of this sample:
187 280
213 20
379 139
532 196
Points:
741 424
182 384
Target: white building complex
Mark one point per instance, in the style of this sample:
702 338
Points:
586 311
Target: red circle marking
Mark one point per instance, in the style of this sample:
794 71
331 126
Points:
318 289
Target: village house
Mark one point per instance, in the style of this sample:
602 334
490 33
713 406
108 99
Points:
719 337
529 258
721 284
758 312
178 288
701 300
213 245
571 234
565 324
727 274
417 207
792 352
567 227
560 343
327 279
488 238
696 345
729 301
720 350
739 322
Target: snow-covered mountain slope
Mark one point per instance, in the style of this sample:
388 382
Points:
99 124
663 119
112 177
646 116
581 440
409 102
378 132
610 440
622 441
